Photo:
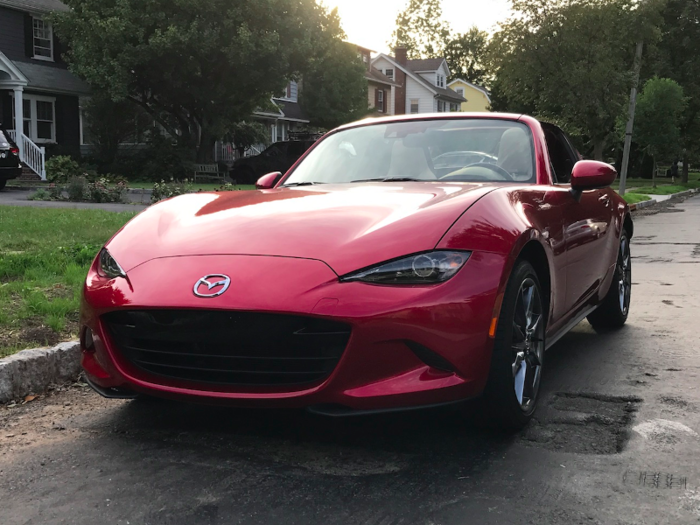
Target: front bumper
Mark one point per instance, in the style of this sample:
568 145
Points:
409 346
10 172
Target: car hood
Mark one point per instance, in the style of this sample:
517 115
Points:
347 226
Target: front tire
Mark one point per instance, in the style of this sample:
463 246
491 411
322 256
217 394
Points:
518 356
3 182
613 311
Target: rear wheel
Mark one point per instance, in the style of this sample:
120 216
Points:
613 311
2 183
518 354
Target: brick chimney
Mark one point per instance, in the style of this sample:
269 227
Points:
400 79
400 55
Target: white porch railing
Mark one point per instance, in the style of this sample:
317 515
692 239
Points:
227 152
31 154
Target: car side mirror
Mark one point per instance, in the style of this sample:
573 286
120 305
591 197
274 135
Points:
269 181
591 174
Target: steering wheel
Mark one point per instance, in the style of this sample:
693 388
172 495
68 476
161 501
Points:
492 167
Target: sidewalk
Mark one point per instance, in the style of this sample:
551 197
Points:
656 199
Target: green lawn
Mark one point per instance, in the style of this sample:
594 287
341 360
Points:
665 189
44 257
634 198
693 178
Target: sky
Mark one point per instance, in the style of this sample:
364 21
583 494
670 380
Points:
369 23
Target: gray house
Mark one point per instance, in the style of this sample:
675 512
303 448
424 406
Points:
39 97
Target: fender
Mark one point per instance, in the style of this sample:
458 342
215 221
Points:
505 222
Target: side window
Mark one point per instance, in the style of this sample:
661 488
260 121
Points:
560 154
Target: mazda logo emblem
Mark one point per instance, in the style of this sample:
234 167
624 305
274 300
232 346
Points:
212 285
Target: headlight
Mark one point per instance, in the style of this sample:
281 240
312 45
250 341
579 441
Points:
424 268
109 267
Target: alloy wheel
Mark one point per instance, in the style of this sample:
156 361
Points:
527 344
624 276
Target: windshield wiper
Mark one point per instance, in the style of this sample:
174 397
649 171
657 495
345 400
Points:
389 179
296 184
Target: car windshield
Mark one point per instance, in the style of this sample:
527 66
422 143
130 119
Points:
457 150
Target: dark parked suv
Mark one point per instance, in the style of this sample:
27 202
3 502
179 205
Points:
10 167
280 156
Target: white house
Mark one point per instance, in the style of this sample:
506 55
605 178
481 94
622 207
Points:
422 83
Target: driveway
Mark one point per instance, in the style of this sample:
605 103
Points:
13 197
614 442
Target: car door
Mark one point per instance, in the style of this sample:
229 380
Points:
587 225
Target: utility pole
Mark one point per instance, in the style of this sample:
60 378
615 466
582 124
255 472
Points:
630 121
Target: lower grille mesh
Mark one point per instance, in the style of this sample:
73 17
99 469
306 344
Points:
229 348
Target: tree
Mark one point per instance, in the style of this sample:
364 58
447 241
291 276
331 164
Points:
657 123
571 61
196 66
247 134
421 29
677 59
109 124
334 89
466 56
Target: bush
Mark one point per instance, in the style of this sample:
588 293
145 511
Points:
55 192
77 188
227 187
40 195
159 160
101 191
164 190
62 168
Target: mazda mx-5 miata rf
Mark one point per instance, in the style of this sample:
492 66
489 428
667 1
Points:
368 277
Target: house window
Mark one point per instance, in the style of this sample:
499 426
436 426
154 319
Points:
43 40
460 91
39 118
454 107
389 73
440 81
380 101
440 106
414 105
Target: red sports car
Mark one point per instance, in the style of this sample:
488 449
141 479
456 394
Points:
368 277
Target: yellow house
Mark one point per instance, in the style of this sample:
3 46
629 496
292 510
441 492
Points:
478 99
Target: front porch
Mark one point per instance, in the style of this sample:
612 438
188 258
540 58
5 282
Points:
13 81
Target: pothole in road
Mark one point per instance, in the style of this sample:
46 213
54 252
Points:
583 423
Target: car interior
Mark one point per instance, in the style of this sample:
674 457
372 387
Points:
562 155
478 151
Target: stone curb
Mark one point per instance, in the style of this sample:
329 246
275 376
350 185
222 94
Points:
32 371
652 202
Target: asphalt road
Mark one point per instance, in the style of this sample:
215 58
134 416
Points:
14 197
615 440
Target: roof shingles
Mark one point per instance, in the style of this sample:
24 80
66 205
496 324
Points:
431 64
36 6
425 64
54 79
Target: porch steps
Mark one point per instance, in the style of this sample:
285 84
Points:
28 174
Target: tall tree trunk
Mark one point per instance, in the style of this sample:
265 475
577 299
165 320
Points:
684 176
205 150
598 147
653 173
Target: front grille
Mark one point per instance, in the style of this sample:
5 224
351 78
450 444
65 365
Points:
228 348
